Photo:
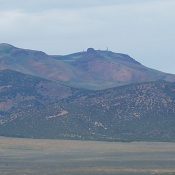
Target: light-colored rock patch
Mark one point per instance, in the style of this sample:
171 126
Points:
62 113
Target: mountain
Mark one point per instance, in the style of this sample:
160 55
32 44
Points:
20 91
38 108
34 63
94 94
91 69
106 69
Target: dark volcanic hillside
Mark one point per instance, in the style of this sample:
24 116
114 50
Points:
144 111
93 69
20 92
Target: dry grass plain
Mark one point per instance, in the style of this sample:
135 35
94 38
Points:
62 157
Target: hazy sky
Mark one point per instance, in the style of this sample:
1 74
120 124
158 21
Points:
144 29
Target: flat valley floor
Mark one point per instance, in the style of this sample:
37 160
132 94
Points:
61 157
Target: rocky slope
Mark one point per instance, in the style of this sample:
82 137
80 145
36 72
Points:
38 108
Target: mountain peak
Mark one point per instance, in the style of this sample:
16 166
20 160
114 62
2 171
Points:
91 50
6 45
106 54
5 48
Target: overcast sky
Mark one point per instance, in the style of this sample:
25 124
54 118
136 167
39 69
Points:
144 29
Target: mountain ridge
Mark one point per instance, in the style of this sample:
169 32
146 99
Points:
91 69
38 108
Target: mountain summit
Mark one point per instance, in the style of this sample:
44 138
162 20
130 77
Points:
91 51
91 69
